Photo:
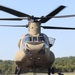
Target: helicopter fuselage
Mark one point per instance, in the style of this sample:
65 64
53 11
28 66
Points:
34 49
34 52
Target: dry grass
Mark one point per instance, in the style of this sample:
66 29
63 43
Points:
47 74
69 73
42 74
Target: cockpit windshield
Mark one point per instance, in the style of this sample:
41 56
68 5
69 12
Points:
26 39
35 38
41 39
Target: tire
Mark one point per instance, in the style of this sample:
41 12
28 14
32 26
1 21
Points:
53 70
49 71
19 71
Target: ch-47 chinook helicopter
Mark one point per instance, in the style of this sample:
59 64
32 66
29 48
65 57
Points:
34 47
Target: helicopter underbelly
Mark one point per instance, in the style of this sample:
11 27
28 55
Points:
25 61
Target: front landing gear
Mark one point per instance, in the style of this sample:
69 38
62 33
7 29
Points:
51 70
17 70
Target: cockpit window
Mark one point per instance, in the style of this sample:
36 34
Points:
31 38
41 39
35 39
26 39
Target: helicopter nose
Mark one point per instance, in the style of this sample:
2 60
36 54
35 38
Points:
34 46
37 47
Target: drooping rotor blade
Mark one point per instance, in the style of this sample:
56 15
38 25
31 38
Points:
64 16
52 14
11 19
14 12
20 18
53 27
26 18
13 25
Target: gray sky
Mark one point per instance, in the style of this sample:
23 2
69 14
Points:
65 39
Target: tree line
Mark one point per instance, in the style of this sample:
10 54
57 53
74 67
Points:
64 64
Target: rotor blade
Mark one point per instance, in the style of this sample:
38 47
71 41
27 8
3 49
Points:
23 18
14 12
63 28
20 18
13 25
52 14
64 16
17 19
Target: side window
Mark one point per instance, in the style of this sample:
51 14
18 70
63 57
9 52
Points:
51 40
46 40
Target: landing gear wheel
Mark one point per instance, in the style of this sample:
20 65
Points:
34 71
53 70
17 70
49 71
